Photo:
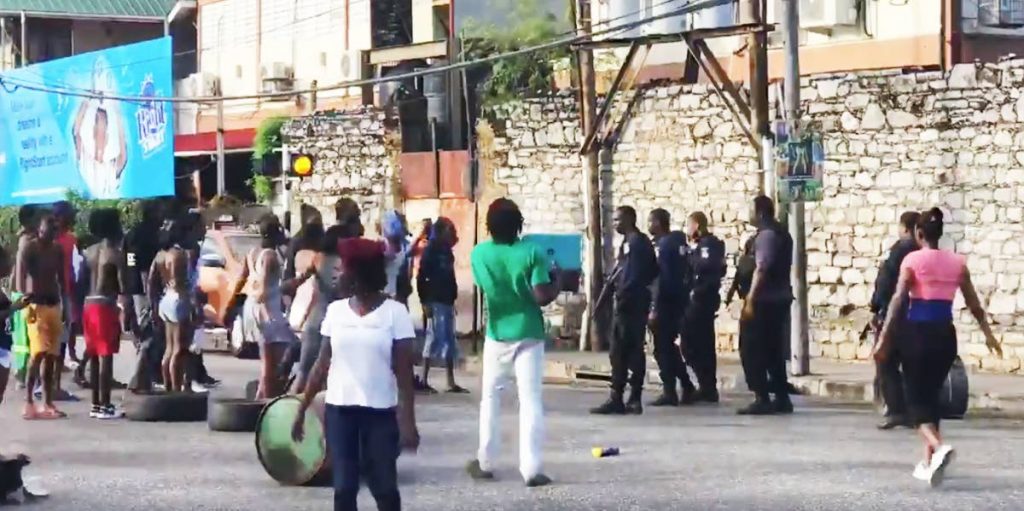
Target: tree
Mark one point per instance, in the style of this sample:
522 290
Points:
527 23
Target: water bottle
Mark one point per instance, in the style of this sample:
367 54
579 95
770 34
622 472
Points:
604 452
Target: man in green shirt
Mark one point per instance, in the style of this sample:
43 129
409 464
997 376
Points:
514 278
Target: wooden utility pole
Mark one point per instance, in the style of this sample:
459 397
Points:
799 336
757 57
593 274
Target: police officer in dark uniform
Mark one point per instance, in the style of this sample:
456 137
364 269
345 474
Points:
763 322
635 272
890 379
668 306
707 268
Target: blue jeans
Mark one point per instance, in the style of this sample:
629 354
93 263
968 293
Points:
363 441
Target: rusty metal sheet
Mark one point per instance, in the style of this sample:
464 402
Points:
419 175
454 174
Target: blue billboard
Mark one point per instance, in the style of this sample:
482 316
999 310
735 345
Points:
54 143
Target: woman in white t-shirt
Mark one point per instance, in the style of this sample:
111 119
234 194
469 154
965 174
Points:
368 366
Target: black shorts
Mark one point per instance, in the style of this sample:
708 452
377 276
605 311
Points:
927 351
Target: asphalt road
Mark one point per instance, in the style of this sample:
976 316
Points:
825 457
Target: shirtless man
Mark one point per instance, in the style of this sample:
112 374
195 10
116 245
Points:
40 274
170 287
101 322
28 218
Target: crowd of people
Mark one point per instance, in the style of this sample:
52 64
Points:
98 290
329 310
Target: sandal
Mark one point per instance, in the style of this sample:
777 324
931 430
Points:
455 389
52 414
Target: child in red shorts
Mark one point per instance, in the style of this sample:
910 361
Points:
101 316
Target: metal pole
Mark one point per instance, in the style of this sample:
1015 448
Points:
220 147
286 194
594 273
24 39
799 337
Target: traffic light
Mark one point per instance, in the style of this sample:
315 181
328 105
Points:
302 166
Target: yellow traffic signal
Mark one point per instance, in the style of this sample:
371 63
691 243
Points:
302 166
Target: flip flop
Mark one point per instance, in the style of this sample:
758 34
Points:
457 390
52 415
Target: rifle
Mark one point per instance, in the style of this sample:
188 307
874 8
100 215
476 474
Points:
607 287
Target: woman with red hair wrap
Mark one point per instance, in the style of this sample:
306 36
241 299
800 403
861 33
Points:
372 336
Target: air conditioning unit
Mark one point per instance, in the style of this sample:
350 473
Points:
819 15
828 14
1001 13
272 86
277 71
203 85
351 65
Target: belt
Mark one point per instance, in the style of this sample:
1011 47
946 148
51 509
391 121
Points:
930 310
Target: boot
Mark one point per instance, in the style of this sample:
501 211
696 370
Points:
707 395
762 405
668 397
783 404
634 406
613 406
689 395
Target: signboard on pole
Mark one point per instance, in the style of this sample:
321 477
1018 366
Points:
799 165
53 143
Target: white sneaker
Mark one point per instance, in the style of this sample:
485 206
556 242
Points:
941 459
111 413
922 471
199 388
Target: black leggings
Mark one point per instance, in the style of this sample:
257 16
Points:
927 351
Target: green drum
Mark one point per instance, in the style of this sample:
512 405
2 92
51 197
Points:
289 462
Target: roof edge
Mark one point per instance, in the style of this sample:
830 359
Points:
69 15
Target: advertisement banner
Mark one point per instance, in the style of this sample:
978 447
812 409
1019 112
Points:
52 144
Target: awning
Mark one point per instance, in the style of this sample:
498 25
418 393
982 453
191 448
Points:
235 141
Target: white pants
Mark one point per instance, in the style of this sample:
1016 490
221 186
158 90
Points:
524 359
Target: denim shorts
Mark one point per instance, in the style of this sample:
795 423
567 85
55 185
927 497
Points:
441 343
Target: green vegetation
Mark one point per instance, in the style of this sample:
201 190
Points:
262 187
130 215
268 138
529 24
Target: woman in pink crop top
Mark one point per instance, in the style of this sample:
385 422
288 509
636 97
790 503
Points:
919 330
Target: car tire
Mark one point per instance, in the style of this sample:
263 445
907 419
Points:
166 407
234 414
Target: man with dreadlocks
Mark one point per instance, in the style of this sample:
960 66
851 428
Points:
513 276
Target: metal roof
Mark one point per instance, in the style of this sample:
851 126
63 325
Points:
111 9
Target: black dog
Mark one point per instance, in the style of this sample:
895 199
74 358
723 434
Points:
12 487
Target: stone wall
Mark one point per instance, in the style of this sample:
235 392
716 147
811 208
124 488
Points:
529 154
894 142
354 156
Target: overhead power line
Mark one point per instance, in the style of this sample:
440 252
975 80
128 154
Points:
565 41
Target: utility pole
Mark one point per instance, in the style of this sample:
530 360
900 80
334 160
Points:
594 273
799 336
757 58
220 147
